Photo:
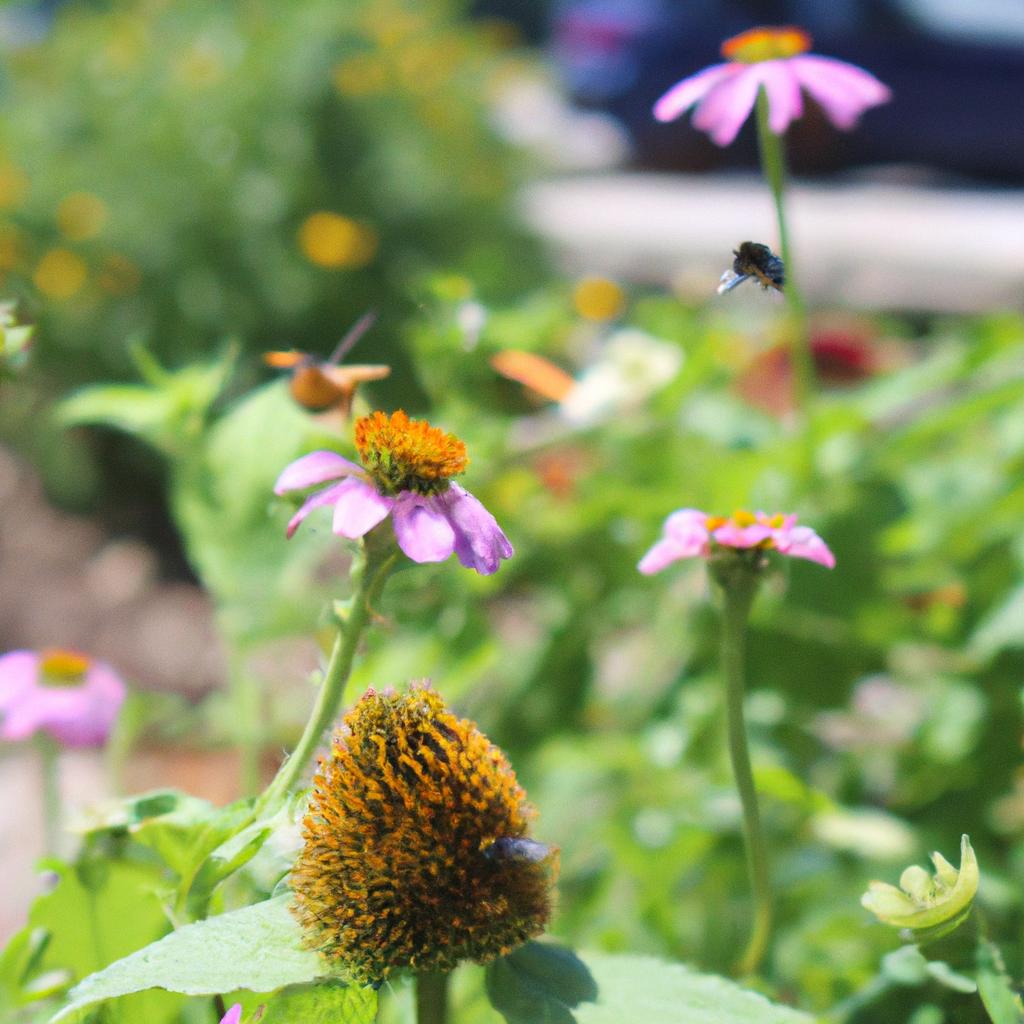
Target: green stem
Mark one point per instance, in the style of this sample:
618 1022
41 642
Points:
432 998
738 590
369 576
773 164
49 754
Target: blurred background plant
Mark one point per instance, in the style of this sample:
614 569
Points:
177 175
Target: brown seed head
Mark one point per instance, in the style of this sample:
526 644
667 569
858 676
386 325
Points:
399 867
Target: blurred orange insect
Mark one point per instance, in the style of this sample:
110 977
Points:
535 372
323 385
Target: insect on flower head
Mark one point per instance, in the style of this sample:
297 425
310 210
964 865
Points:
416 854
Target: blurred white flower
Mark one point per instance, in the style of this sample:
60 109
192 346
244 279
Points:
632 367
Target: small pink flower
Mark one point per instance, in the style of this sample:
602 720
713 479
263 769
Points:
689 533
776 60
64 693
407 465
233 1016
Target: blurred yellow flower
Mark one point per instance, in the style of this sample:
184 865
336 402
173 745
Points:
81 215
60 274
333 241
598 298
360 75
13 184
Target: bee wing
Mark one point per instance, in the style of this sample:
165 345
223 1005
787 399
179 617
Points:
284 360
347 376
535 372
729 280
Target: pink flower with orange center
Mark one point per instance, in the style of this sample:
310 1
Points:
776 60
406 473
66 694
689 533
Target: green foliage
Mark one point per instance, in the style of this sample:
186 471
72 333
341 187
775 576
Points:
257 947
539 982
642 988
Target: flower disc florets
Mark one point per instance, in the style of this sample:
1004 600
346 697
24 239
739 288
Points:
766 43
408 455
415 848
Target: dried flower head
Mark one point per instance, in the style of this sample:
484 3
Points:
416 853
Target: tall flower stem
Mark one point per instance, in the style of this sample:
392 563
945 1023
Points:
49 756
432 998
773 164
738 580
369 574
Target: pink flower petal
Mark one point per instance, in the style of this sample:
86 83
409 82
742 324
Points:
480 542
422 530
724 109
233 1016
684 535
733 536
803 542
843 90
312 469
785 104
684 94
688 528
18 673
662 554
358 508
328 496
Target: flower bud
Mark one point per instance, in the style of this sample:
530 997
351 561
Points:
927 906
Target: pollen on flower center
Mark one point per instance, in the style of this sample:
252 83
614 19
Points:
760 44
402 454
58 667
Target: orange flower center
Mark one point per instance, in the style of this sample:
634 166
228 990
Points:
759 44
58 667
408 455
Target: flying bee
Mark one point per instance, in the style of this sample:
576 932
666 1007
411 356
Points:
514 849
322 385
757 261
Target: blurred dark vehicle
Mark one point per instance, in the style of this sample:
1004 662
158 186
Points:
956 71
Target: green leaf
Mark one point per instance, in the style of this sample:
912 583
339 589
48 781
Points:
225 860
642 989
324 1003
539 984
257 948
1002 1004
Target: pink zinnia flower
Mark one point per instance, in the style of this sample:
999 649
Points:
64 693
233 1016
405 473
689 533
776 60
